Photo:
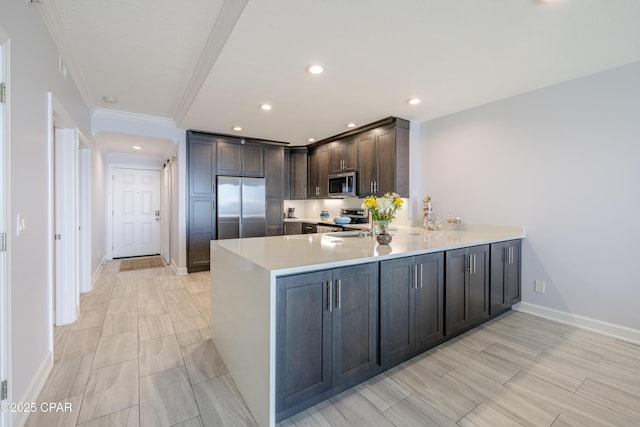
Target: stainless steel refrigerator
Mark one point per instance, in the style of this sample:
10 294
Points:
241 207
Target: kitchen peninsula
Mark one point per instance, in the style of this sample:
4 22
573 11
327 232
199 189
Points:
300 318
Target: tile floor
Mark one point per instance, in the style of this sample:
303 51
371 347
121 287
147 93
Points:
140 354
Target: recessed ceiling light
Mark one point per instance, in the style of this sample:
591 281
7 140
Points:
311 140
351 125
265 107
136 147
315 69
238 128
110 99
413 101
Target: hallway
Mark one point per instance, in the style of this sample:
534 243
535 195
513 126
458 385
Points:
140 353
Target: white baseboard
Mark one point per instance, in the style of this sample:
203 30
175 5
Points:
96 273
179 271
622 333
33 390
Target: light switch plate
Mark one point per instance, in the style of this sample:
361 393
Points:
22 224
538 286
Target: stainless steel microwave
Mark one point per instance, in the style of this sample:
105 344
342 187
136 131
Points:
342 185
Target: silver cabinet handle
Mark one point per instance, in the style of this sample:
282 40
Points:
371 186
469 268
421 276
330 295
338 292
474 263
415 277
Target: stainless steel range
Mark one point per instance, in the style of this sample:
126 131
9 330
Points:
357 215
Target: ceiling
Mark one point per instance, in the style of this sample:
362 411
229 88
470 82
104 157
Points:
210 64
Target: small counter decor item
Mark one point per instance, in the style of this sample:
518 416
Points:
383 211
324 215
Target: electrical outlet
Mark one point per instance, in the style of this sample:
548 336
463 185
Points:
538 286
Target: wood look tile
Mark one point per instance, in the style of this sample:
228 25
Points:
415 412
129 417
68 378
220 403
151 307
191 422
119 305
182 310
120 323
155 327
382 391
88 319
60 418
110 389
624 401
358 410
498 369
166 398
203 361
583 410
330 412
308 418
510 403
485 416
452 402
159 354
76 343
114 349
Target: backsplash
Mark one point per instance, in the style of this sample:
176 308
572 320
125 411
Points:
310 209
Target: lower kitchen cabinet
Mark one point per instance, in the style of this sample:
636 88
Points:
505 275
326 338
411 306
292 228
466 288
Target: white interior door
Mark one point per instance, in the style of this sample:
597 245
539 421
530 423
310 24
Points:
67 293
136 212
166 209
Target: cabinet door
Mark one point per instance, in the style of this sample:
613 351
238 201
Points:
312 188
229 158
386 156
344 155
202 168
252 160
499 260
355 320
478 284
298 174
513 286
337 156
324 164
456 293
429 300
397 318
303 338
292 228
274 217
367 169
202 229
274 172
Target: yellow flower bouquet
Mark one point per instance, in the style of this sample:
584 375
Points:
383 209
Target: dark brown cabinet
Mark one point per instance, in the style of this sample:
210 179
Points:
344 155
274 189
505 275
292 228
308 228
411 306
326 334
466 288
240 158
319 164
201 224
297 173
383 161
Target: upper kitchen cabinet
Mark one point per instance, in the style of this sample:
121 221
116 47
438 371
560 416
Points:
240 158
298 173
383 160
275 189
319 165
344 155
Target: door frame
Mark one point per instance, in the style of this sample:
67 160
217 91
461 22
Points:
68 301
5 199
110 195
84 215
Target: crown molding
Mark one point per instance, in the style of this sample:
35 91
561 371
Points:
119 115
225 22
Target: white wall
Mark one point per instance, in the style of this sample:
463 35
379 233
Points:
98 210
565 162
33 73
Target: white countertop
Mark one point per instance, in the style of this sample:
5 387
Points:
306 252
